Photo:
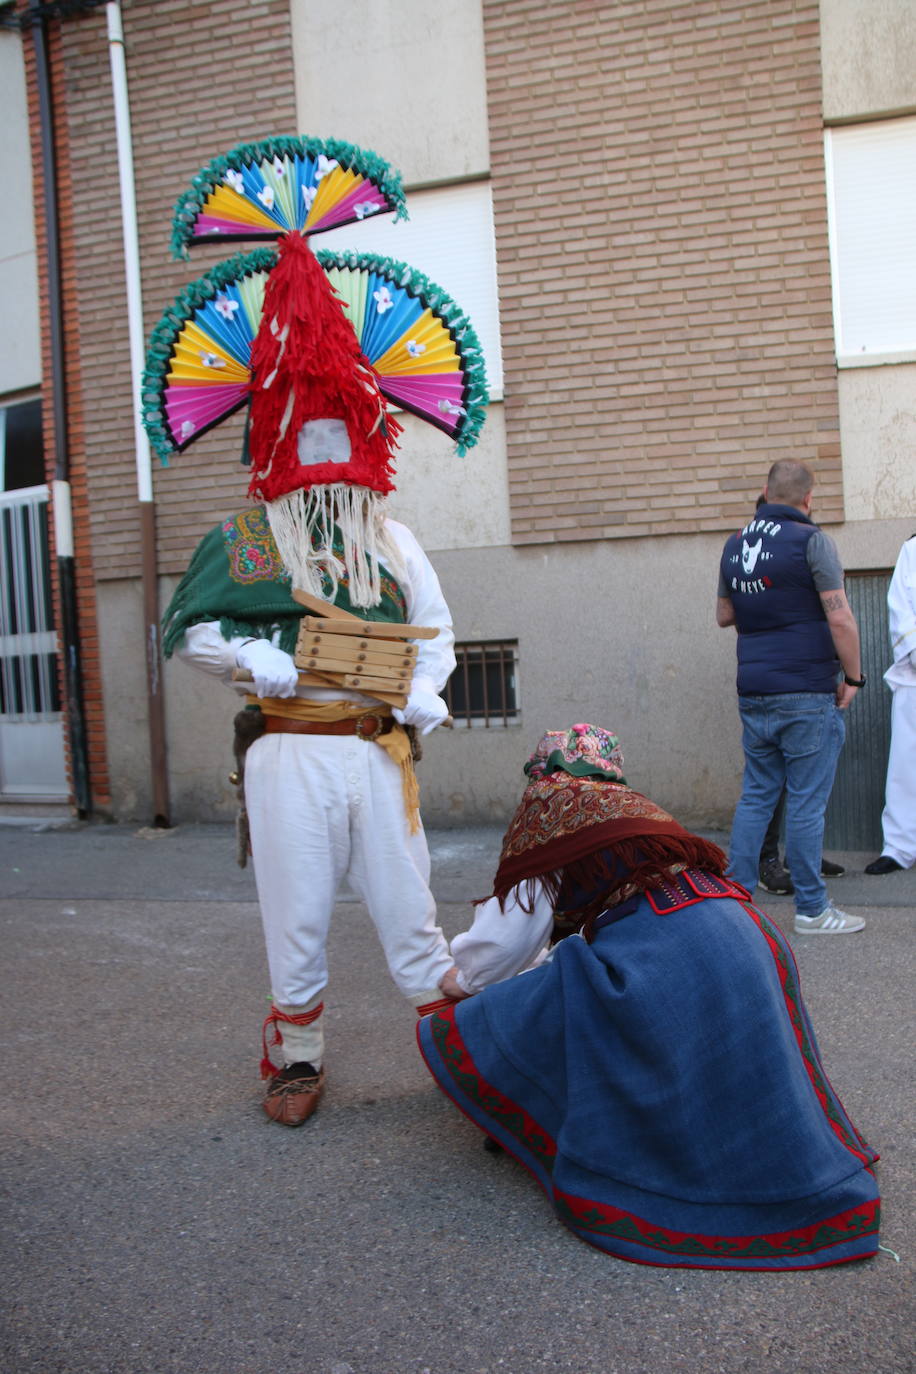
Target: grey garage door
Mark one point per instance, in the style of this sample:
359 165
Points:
853 818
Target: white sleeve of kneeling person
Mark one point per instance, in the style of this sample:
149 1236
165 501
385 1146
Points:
502 941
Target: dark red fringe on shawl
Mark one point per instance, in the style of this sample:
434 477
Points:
616 864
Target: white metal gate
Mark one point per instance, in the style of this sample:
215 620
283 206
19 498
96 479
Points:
31 724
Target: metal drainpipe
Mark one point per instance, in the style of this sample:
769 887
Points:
63 530
155 698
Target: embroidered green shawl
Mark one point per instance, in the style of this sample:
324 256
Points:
237 577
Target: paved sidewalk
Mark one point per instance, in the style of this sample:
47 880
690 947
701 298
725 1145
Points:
154 1221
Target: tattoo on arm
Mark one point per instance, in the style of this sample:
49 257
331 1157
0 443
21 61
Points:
833 601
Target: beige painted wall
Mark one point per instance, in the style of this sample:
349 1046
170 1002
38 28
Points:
198 712
622 635
878 442
20 346
868 58
420 104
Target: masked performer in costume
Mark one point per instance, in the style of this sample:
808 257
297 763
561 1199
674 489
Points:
898 820
657 1072
329 785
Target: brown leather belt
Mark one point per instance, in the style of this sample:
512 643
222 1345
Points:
368 726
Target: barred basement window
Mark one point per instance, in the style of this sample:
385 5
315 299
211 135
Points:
483 689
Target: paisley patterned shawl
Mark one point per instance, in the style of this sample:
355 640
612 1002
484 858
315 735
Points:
596 839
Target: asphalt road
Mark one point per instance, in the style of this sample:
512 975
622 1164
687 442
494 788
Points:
154 1220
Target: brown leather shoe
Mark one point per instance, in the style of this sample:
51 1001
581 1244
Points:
293 1094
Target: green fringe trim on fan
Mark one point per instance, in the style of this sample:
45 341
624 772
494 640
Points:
361 160
173 320
460 327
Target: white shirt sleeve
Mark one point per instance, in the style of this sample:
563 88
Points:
901 606
501 943
426 606
205 648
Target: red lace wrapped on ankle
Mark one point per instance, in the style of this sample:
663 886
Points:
274 1016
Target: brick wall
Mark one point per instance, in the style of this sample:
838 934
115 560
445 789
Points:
658 181
202 77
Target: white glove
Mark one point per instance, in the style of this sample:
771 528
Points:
424 709
274 672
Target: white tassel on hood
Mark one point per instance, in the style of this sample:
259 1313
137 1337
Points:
303 525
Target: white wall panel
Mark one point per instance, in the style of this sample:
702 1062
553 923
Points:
20 345
871 179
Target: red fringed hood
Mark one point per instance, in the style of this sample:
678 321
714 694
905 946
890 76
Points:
307 365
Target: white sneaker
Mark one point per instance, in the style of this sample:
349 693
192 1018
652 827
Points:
831 921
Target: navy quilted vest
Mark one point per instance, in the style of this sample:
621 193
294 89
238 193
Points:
784 641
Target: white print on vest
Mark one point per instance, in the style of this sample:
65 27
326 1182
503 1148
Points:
749 554
759 585
762 527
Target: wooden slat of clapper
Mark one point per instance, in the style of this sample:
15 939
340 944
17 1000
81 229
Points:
322 663
381 629
352 652
375 629
311 631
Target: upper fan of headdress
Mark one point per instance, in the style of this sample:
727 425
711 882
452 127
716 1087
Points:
420 343
262 190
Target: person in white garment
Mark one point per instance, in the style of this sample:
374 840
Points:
898 820
329 786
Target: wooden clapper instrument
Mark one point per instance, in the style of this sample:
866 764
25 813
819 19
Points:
337 649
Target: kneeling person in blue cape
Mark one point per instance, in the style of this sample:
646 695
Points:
656 1072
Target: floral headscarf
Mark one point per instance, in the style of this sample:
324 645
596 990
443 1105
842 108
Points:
586 836
585 751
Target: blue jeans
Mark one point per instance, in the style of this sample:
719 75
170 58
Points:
793 738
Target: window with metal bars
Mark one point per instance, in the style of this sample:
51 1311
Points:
483 689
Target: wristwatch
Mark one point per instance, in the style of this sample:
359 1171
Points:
855 681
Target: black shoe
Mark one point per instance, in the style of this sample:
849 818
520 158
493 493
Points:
884 864
774 878
831 870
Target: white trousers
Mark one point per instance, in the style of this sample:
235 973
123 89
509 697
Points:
325 807
898 820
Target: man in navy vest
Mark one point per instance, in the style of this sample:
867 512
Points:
781 586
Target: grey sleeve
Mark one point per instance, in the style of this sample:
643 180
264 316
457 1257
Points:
724 589
824 562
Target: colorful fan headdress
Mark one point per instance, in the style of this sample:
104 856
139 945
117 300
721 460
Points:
317 344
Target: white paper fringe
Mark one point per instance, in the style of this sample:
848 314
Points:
303 522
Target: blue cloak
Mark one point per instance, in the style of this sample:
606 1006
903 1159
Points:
663 1085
